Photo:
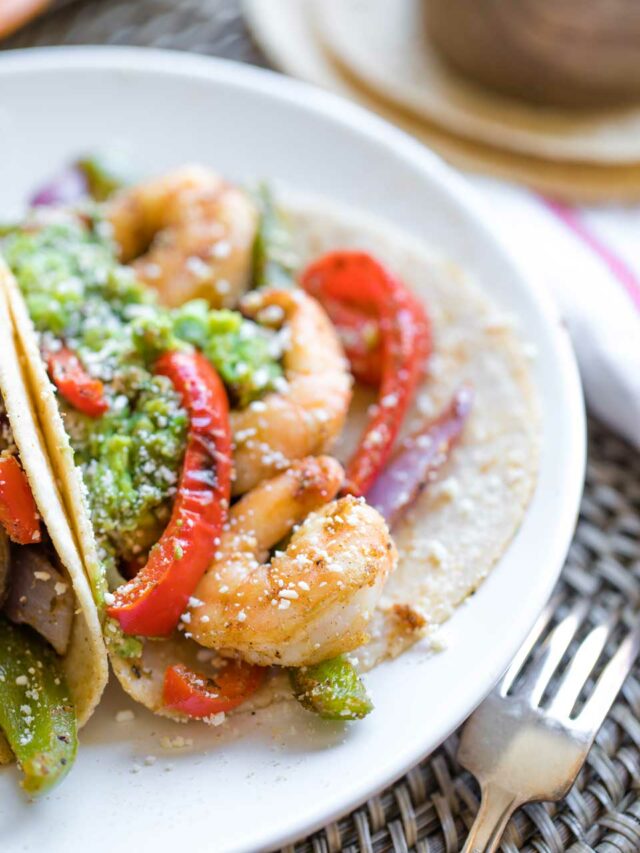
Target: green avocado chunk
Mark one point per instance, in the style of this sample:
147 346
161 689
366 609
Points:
37 715
332 689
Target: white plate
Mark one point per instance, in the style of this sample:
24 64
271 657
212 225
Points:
265 780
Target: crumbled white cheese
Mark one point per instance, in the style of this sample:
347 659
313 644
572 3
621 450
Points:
125 716
288 593
177 742
436 552
448 489
215 719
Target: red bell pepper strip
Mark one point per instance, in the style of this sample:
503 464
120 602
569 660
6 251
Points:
199 695
360 337
363 284
85 393
18 512
151 604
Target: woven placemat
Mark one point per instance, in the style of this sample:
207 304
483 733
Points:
430 809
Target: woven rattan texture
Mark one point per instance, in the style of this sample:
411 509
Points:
430 809
202 26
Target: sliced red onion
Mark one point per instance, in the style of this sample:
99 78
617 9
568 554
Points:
40 596
68 187
419 458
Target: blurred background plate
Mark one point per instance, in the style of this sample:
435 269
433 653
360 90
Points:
287 33
414 76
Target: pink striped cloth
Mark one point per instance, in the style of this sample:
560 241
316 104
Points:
589 258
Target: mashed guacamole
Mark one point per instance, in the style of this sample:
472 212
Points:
80 297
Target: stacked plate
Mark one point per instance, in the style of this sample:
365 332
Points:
379 54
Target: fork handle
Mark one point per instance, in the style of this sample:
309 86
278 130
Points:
496 807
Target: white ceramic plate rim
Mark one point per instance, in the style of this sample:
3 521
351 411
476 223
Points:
569 419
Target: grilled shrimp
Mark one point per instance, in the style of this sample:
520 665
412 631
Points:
188 234
306 417
313 600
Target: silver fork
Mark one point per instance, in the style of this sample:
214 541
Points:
522 750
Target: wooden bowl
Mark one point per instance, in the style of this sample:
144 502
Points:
15 13
569 53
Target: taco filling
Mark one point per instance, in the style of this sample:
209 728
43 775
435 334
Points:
37 715
203 353
52 667
103 340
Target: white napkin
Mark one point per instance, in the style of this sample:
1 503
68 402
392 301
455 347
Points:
590 260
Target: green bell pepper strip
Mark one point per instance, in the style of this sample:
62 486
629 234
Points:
103 173
274 263
332 689
37 715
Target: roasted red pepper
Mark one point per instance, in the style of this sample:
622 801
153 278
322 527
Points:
151 604
360 337
200 695
18 512
364 285
85 393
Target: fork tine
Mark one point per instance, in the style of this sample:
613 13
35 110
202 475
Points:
608 685
580 668
551 653
532 638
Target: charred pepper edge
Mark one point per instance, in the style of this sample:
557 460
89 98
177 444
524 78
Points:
360 281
